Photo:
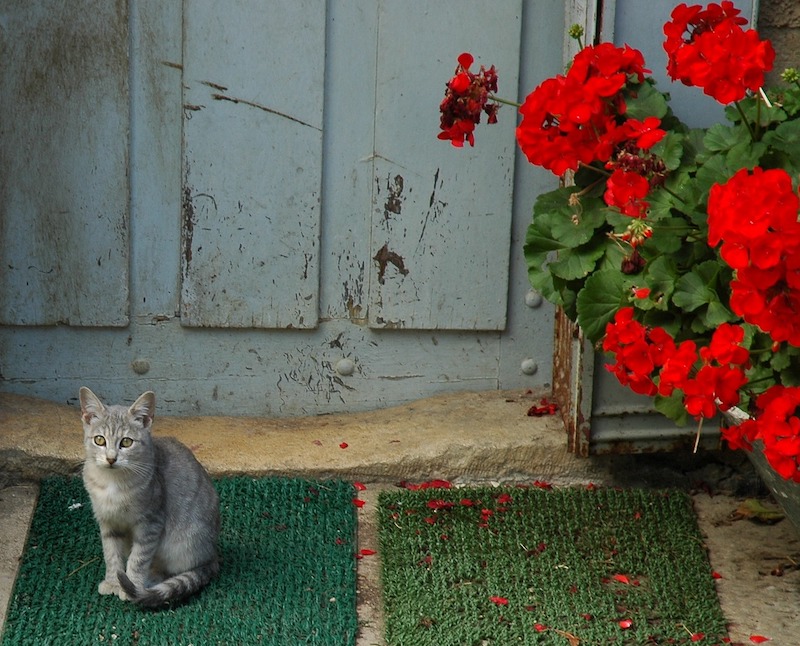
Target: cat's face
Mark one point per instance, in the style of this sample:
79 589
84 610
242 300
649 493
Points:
115 437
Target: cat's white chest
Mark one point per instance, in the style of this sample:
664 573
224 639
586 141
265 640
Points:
111 500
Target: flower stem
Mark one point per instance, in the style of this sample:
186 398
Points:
745 121
494 97
674 194
697 437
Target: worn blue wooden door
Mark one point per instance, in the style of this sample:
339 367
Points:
244 207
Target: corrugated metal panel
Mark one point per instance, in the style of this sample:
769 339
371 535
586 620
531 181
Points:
440 247
253 79
63 162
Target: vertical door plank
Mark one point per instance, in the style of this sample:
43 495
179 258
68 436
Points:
253 95
63 162
441 221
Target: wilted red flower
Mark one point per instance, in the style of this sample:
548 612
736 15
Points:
468 95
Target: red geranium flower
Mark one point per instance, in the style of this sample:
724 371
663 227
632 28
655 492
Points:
709 49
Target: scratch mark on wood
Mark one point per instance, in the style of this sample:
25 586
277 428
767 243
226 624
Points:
385 257
216 86
253 104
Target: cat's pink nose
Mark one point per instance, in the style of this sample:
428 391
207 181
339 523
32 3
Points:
111 459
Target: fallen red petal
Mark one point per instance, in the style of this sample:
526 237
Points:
358 502
625 623
343 445
360 486
366 552
758 639
539 627
696 637
500 601
621 578
716 575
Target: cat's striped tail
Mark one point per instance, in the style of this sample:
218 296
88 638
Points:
175 588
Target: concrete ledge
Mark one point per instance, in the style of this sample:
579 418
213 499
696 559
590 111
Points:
477 436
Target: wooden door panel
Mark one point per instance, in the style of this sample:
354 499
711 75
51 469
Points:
64 163
440 244
253 95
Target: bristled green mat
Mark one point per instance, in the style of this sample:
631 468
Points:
288 573
573 566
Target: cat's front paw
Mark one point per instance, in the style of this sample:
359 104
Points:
109 587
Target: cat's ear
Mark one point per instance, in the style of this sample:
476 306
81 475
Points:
144 409
91 406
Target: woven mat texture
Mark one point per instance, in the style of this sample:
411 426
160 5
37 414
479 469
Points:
571 566
288 573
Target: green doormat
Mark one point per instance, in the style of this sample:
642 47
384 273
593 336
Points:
288 573
487 566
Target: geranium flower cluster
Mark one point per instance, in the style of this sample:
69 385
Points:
762 243
777 425
575 118
707 48
696 292
468 95
650 362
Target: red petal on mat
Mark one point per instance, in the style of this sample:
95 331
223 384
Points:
539 628
587 617
716 575
542 484
621 578
625 624
758 639
360 486
366 552
466 502
343 445
358 502
696 637
500 601
504 499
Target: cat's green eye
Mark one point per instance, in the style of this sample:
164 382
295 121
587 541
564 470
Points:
99 440
126 442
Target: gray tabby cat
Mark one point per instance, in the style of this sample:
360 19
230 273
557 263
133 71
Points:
155 504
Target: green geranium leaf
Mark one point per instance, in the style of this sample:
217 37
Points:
578 262
786 138
672 408
669 234
661 275
602 295
648 102
720 137
692 291
716 314
670 150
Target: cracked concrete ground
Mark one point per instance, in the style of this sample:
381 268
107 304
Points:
469 437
